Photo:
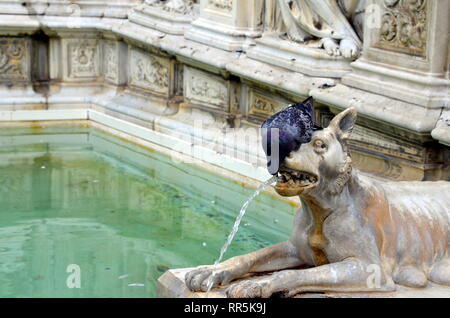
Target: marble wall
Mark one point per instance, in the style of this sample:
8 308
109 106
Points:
165 64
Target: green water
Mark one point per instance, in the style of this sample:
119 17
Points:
122 214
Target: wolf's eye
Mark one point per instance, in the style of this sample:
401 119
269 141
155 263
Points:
320 145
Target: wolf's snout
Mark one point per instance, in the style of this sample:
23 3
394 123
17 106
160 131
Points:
293 182
296 178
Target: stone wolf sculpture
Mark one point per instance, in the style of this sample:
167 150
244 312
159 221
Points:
353 233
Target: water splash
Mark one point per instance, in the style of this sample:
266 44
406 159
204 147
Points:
236 228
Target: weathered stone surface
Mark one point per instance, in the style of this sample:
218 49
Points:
227 24
153 74
81 58
403 56
118 61
336 26
149 72
310 60
172 285
404 27
110 8
113 59
173 17
15 60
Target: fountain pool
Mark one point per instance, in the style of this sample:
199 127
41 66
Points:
120 213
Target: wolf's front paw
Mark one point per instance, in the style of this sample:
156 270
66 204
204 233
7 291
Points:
199 278
349 48
331 47
250 289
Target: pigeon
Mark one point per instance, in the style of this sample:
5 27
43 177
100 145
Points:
296 126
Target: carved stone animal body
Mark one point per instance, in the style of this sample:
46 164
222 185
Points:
353 233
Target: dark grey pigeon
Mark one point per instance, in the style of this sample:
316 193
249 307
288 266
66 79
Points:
296 126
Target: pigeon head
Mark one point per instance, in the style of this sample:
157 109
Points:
295 126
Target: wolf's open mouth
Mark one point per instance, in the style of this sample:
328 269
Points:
295 178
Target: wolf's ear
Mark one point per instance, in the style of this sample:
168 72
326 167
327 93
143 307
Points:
344 122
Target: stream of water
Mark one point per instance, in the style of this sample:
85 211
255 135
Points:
236 227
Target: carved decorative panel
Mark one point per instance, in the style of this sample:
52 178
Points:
206 89
149 72
404 26
221 5
14 59
83 59
375 142
261 106
111 62
185 7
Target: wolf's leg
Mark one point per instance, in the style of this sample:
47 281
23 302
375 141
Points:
440 273
349 276
348 48
331 46
275 257
411 277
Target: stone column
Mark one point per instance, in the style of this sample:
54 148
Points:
227 24
406 49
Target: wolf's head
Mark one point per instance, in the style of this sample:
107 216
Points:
321 166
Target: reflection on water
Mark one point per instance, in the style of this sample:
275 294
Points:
123 214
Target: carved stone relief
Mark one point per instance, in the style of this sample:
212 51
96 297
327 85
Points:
149 72
224 5
205 88
264 106
111 60
14 59
185 7
83 58
261 106
372 141
334 25
404 26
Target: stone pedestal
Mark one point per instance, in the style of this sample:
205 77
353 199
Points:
405 54
307 59
171 285
165 18
230 25
15 65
